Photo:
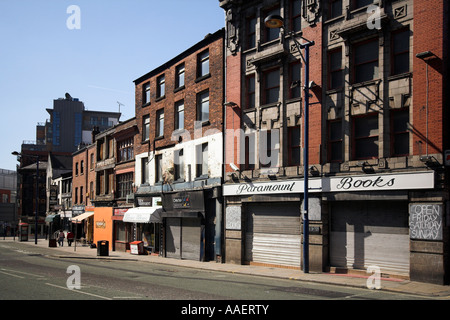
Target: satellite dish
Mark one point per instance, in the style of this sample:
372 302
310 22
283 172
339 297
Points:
68 96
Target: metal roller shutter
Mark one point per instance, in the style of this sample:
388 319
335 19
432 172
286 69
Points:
273 234
370 233
190 239
173 237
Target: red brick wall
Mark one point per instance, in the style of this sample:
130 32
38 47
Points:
315 74
192 87
233 113
429 35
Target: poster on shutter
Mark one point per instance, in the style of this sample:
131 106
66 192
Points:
233 218
425 221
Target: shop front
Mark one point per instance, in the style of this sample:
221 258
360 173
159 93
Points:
395 222
144 224
189 224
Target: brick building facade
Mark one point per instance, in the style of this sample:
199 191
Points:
179 149
377 136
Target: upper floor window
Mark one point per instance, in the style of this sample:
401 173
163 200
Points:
365 136
365 61
294 80
161 86
356 4
178 164
296 15
335 70
400 52
250 92
334 8
146 128
294 146
271 33
125 150
399 132
203 106
202 160
335 141
203 64
146 93
179 115
179 76
158 168
251 33
271 83
160 123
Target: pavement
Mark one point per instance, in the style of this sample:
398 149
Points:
353 280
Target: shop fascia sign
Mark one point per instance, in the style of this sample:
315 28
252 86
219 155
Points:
420 180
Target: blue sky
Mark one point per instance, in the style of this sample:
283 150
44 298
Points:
118 41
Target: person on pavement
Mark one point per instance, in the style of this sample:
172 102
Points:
61 238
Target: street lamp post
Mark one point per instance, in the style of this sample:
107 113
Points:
276 21
36 216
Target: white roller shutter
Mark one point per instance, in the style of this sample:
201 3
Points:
273 234
370 233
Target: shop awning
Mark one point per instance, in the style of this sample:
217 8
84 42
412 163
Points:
82 216
143 215
50 217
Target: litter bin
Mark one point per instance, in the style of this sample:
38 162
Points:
52 243
137 247
102 248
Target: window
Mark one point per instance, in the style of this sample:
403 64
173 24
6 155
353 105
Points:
179 77
203 64
161 86
76 196
365 61
203 106
179 115
91 190
294 80
271 33
250 93
158 168
268 148
296 15
202 160
124 184
146 128
399 132
335 141
92 161
334 9
250 151
361 3
81 195
251 33
335 70
145 172
365 137
400 52
294 146
179 164
125 150
271 82
160 123
82 167
146 93
76 168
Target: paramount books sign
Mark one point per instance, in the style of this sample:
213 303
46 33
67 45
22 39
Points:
420 180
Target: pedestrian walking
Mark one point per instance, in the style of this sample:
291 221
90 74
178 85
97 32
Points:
70 237
61 238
